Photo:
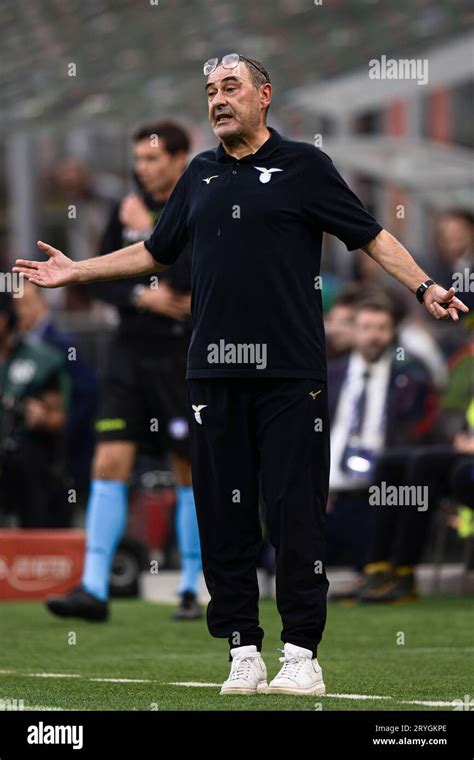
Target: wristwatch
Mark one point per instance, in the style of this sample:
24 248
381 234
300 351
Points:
420 293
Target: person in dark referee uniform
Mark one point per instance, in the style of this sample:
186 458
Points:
138 387
254 211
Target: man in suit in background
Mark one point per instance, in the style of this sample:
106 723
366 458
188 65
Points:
379 397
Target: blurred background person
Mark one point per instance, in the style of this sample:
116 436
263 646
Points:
36 322
453 257
378 397
444 469
413 333
454 242
88 207
34 401
339 322
143 394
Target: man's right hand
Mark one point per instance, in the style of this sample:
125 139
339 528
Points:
58 270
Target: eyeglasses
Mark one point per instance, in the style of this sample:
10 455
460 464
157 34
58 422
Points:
230 61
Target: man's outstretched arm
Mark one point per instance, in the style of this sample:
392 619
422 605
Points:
387 251
59 270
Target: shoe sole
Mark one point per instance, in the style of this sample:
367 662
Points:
261 688
310 691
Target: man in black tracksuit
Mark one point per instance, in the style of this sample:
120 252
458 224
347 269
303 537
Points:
254 211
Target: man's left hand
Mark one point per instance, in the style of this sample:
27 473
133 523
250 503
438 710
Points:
442 303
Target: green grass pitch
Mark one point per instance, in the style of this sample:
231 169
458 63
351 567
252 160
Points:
360 656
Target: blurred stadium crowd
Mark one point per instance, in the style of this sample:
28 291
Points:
400 384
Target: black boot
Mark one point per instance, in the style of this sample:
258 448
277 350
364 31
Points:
79 603
355 590
189 608
401 587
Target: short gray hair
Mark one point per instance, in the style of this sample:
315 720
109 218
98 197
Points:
258 74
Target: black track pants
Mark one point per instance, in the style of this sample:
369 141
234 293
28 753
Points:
276 432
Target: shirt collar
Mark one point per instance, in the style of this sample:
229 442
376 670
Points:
358 365
270 145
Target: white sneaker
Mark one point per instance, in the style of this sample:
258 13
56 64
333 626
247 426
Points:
248 673
300 674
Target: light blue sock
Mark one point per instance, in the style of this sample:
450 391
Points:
187 532
105 522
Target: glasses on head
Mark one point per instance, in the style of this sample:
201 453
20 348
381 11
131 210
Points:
231 61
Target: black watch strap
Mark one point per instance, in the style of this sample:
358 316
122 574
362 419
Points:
420 293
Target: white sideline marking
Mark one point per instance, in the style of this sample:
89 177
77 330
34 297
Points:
192 683
428 703
341 696
53 675
201 685
430 650
76 675
40 675
122 680
354 696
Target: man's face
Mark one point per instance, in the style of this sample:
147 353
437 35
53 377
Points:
340 327
73 178
374 332
157 169
234 103
454 237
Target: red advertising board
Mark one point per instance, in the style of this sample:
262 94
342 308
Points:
37 563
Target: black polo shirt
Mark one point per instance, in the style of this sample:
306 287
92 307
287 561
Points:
255 225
